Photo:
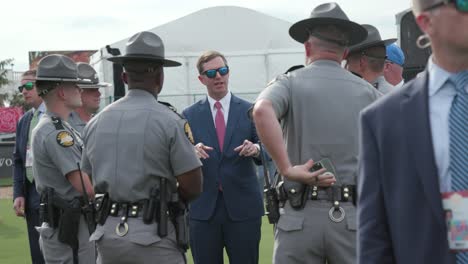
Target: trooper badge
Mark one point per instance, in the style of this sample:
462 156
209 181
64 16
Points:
65 139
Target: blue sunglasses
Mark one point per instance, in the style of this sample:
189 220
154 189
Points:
212 73
460 5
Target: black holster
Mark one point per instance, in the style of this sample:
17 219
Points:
297 194
180 218
68 227
272 205
151 208
65 216
102 207
156 207
47 212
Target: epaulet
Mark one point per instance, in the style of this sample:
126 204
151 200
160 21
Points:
277 78
187 129
293 68
171 107
57 123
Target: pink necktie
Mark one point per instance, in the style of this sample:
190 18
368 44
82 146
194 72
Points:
220 125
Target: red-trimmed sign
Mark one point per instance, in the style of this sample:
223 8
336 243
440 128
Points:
9 117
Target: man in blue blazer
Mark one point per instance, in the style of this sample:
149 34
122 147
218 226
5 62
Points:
409 149
26 198
228 212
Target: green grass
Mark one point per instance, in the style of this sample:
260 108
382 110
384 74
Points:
13 236
6 182
14 248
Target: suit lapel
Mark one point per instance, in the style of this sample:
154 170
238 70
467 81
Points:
208 123
416 116
233 118
28 123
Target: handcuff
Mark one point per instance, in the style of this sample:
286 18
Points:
336 205
121 229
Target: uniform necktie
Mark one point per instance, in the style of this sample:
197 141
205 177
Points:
458 127
32 125
220 125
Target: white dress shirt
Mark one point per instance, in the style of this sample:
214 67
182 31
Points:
400 84
42 109
441 95
225 101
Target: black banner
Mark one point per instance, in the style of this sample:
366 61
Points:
6 159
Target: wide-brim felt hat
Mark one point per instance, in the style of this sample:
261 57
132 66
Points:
328 14
57 67
373 39
88 77
421 5
145 46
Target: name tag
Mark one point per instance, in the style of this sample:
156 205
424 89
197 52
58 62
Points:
29 157
456 218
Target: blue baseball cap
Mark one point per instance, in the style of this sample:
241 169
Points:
395 54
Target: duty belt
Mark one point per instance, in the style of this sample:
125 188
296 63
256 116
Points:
335 194
344 193
127 209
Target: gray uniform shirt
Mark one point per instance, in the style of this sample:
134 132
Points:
382 85
56 150
319 107
133 142
75 121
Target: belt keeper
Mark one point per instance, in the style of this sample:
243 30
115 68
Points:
134 211
345 193
314 193
114 209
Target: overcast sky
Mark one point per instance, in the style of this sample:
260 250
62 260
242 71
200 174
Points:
31 25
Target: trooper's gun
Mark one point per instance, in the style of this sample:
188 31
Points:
180 218
271 196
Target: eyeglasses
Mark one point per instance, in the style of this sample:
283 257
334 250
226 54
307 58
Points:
212 73
374 56
460 5
28 86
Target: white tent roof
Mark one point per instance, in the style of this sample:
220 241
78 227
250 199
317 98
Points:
225 28
257 48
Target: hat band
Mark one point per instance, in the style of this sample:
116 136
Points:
144 56
45 78
339 42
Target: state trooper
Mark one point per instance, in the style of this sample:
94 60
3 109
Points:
367 59
136 150
318 106
90 96
56 146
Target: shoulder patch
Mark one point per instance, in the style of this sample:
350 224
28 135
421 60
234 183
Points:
65 139
188 132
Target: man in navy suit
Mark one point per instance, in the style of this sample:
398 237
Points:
228 212
412 149
26 198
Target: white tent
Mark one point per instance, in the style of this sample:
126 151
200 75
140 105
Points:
257 48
